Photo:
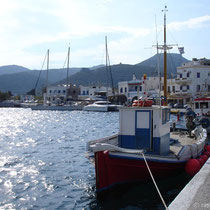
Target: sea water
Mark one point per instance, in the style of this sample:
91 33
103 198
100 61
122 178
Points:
43 163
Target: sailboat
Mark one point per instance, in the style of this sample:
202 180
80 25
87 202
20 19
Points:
144 149
104 106
55 107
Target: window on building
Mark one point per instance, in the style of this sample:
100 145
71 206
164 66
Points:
197 105
140 88
50 91
64 91
180 75
169 89
198 87
180 87
173 89
204 105
87 92
59 91
188 87
198 74
188 74
136 88
83 92
208 88
126 90
121 90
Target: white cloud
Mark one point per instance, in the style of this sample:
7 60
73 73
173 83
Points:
192 23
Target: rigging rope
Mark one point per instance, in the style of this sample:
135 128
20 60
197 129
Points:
40 72
154 182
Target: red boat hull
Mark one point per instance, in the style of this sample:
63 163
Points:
111 170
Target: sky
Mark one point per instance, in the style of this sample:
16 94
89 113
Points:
28 28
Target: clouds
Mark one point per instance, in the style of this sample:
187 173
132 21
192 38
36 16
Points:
29 27
193 23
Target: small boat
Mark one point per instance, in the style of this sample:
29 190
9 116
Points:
144 132
101 106
145 149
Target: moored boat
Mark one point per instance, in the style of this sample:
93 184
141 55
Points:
144 132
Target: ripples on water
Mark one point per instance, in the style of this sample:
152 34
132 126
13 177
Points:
43 163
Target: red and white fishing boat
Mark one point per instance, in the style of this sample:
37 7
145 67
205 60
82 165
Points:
144 144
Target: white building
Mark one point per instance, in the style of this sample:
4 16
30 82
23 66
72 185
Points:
94 92
130 88
193 80
61 93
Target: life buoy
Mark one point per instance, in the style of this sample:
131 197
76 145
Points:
144 103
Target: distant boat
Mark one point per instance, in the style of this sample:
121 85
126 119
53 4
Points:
101 106
57 107
104 106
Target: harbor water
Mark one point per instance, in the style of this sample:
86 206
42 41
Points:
43 163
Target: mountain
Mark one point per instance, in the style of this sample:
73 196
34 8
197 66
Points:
22 82
11 69
173 61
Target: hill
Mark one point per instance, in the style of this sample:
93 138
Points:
12 69
22 82
173 61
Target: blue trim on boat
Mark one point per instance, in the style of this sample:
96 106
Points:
149 159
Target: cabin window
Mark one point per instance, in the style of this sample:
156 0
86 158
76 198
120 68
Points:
198 74
204 105
165 115
197 105
121 90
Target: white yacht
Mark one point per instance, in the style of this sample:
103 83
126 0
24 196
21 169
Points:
101 106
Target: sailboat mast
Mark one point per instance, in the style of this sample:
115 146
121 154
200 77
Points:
67 75
106 65
165 59
48 54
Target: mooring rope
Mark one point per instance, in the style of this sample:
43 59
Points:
154 182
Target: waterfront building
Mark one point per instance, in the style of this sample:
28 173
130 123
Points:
192 81
134 88
58 94
94 92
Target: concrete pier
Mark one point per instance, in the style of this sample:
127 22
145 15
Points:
196 194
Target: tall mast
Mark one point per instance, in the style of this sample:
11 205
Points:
106 66
165 59
67 76
48 51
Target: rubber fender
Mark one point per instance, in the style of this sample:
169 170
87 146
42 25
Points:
205 122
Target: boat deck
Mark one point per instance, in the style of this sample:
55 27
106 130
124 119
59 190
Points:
181 139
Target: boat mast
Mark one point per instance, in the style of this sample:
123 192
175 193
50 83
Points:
106 67
67 76
48 51
165 59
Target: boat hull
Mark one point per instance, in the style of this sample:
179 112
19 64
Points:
111 169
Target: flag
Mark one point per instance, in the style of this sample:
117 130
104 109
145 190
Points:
181 50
